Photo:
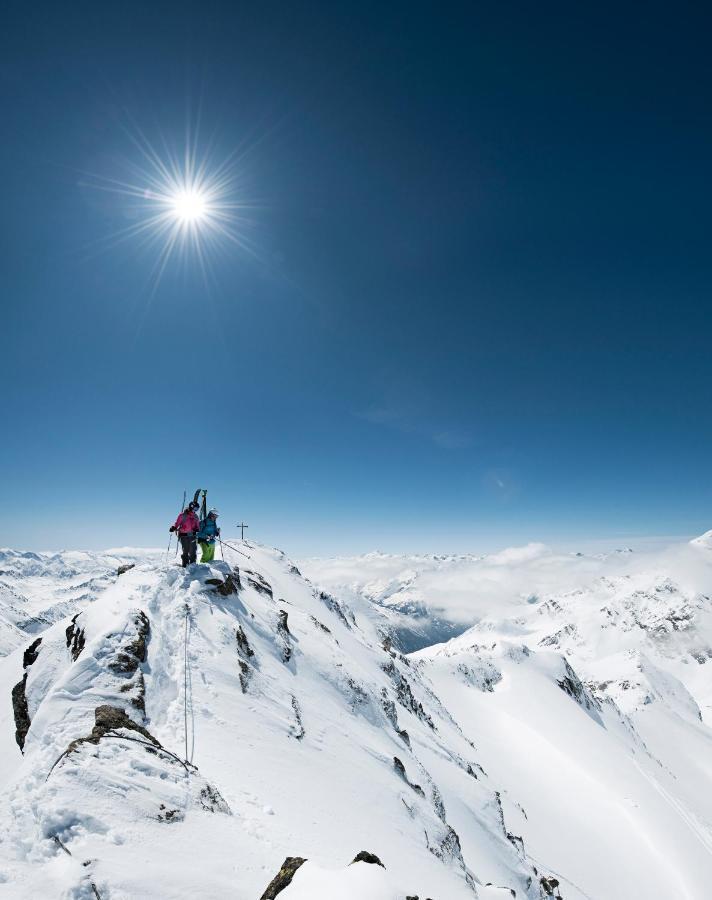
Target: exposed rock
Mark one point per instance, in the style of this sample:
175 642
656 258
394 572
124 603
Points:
31 653
389 708
109 718
400 769
550 887
75 638
283 878
131 654
170 815
297 730
366 857
21 712
212 800
231 584
404 694
244 654
18 695
333 604
259 583
320 625
284 635
123 569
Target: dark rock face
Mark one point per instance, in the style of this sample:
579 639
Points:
31 653
244 654
404 694
389 708
283 878
333 604
110 718
230 585
366 857
133 653
75 638
320 625
400 769
550 887
21 712
297 731
123 569
284 635
18 695
259 583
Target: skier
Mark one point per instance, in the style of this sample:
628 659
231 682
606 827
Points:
206 536
187 525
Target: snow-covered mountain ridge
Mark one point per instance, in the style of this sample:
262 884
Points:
187 730
184 732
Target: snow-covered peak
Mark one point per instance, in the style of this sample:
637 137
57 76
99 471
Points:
236 713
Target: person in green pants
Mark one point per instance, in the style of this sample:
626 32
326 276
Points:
207 536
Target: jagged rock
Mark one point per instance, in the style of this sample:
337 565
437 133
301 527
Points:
404 693
75 638
284 635
109 718
333 604
259 583
229 585
31 653
389 708
297 731
18 695
244 654
123 569
320 625
170 815
400 769
550 887
212 800
20 712
133 653
365 856
283 878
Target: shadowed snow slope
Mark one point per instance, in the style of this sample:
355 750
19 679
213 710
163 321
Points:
186 730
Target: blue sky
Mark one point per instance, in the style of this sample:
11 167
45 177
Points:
478 310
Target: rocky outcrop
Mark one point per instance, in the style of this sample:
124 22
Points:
131 654
284 635
283 878
404 694
550 887
227 586
20 709
400 769
259 583
122 570
245 655
75 638
297 730
333 604
365 856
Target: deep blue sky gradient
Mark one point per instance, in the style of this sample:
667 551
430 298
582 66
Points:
479 309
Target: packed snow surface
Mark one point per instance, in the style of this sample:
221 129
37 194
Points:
184 731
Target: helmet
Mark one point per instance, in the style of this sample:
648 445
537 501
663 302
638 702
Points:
214 512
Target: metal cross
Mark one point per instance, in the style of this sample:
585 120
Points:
242 528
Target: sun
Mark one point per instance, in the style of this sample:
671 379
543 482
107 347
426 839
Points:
190 205
184 204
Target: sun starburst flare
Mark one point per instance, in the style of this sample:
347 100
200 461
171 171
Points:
183 206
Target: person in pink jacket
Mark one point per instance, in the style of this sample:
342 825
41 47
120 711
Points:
187 526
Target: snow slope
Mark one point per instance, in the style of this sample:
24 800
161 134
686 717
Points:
182 739
239 715
37 589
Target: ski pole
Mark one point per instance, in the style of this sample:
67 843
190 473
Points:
232 548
